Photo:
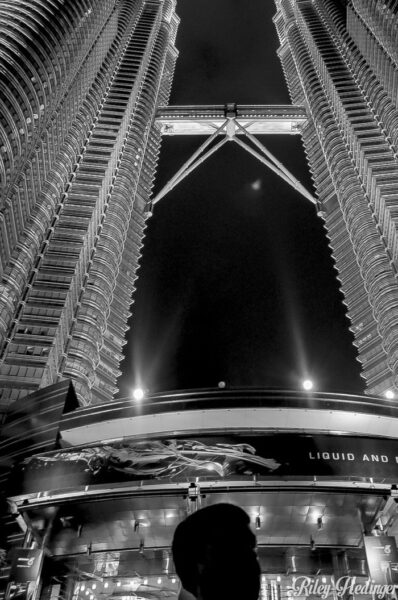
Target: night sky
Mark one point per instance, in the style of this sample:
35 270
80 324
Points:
236 280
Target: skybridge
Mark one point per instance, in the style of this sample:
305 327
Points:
232 123
256 119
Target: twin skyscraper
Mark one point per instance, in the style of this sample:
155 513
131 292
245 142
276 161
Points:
81 85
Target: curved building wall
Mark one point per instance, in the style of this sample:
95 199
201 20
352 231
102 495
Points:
50 55
353 161
286 457
109 66
373 26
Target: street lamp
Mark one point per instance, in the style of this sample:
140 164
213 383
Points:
138 394
308 384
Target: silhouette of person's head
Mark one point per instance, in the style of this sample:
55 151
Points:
214 555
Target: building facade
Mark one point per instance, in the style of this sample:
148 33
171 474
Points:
79 87
340 61
100 490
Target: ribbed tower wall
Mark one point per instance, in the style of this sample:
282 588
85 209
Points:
70 260
352 156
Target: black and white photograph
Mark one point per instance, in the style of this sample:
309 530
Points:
198 299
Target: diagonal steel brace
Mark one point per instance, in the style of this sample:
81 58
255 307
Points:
264 156
294 183
278 167
194 161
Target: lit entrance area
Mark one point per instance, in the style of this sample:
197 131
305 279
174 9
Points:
120 547
315 473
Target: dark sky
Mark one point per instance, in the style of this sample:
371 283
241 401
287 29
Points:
236 283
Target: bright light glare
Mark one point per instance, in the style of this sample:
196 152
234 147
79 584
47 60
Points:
308 384
159 580
389 394
106 584
138 394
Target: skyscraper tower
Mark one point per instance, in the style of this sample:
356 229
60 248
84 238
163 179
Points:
340 60
79 87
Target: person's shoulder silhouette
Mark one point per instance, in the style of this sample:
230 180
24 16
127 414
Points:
214 552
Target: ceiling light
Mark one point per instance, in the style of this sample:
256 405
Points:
145 523
389 394
173 580
94 586
308 384
159 580
145 581
118 583
106 584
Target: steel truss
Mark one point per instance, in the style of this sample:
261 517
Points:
236 123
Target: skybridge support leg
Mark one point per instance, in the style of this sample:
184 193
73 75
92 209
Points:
280 167
194 161
290 179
